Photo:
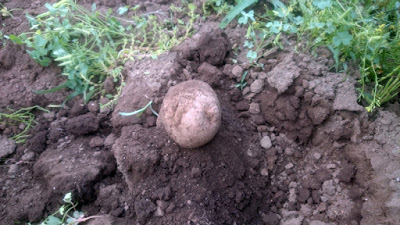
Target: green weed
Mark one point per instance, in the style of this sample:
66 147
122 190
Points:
218 6
238 9
91 46
242 82
5 12
24 116
67 214
363 32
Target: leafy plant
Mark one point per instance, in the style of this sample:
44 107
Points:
218 6
6 12
362 32
236 11
243 81
24 116
91 46
67 214
246 16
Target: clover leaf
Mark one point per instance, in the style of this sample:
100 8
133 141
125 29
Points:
122 10
322 4
246 16
248 44
275 27
342 37
298 20
252 55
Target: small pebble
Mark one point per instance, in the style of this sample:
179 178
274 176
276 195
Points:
262 128
96 142
321 207
289 166
237 71
13 169
22 126
245 90
257 86
292 184
266 142
28 156
49 116
289 151
273 137
317 156
254 108
107 109
93 106
264 172
331 166
110 140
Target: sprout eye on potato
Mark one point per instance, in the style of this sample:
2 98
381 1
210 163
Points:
190 113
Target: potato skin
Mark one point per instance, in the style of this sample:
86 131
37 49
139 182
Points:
190 113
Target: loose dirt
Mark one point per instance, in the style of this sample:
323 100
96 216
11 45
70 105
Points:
294 146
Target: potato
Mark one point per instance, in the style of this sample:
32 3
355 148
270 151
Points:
190 113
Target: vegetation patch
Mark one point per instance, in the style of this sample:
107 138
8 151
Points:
23 118
363 33
91 46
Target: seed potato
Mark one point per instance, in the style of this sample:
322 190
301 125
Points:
190 113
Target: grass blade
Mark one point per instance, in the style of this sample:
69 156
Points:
59 87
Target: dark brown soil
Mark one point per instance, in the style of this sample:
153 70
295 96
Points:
294 146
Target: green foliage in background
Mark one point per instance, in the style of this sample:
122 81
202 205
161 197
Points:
91 46
365 33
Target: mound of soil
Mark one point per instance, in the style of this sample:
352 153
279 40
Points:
294 146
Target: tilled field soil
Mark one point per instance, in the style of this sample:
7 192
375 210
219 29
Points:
294 146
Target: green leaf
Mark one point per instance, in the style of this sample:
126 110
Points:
316 25
32 20
40 41
322 4
45 61
330 28
52 220
281 12
192 7
342 37
51 9
235 11
275 27
61 210
63 10
138 112
122 10
16 39
59 87
242 20
289 28
77 214
278 4
248 44
252 55
249 15
298 20
109 11
93 7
